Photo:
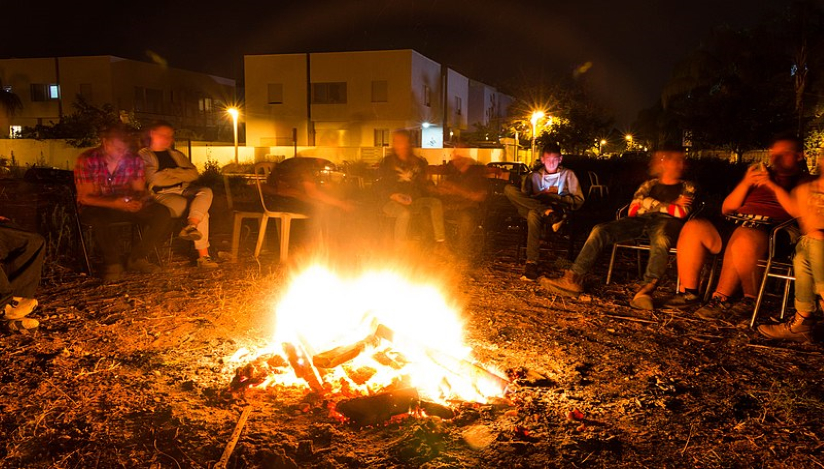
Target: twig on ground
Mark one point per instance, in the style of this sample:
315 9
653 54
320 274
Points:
628 318
781 349
816 461
48 381
230 446
688 441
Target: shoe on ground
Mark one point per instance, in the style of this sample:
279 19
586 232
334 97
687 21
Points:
716 308
189 232
643 298
743 308
19 308
143 266
21 326
530 272
571 284
112 272
797 329
682 300
206 262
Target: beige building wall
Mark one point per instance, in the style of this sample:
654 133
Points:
271 123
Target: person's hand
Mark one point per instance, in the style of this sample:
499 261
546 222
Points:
756 175
684 201
550 190
127 204
402 199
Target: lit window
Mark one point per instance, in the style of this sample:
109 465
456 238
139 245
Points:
54 92
381 137
15 131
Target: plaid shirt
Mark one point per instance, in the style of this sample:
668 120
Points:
91 168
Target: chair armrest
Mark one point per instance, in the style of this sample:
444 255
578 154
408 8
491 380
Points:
785 226
622 210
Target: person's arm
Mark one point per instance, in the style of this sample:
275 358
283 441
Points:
783 196
573 194
736 198
186 172
683 205
641 201
88 194
315 194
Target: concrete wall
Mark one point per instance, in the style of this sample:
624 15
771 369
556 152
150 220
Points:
272 124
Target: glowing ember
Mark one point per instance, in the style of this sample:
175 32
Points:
365 334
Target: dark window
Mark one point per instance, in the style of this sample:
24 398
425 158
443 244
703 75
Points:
38 92
381 137
329 93
380 91
458 104
139 99
275 93
426 101
154 101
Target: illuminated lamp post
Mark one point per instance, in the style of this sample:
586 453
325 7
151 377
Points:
234 113
536 116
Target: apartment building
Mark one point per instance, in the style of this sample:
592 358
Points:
353 99
49 87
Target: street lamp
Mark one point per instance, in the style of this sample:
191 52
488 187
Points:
628 138
601 147
234 113
536 116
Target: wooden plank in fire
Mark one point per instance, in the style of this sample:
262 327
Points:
455 365
340 355
302 365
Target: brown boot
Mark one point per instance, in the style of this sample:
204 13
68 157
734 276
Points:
643 299
571 284
797 329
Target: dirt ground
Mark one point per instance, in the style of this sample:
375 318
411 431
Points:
132 374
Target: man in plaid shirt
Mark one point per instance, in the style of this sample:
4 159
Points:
111 188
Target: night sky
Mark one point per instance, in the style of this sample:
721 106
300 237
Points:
632 44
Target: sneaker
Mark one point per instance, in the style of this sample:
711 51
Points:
643 298
189 232
21 326
19 308
745 307
112 272
530 272
797 329
682 300
206 262
142 266
571 284
715 309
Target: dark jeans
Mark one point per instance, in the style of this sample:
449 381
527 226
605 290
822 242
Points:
21 253
662 231
154 219
533 210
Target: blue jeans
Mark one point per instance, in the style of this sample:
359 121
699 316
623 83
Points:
533 210
662 230
809 273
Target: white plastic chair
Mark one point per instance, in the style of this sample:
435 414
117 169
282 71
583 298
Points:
595 184
283 219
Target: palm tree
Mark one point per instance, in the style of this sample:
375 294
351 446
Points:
10 104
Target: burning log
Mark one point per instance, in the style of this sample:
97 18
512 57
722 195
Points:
455 365
373 410
303 367
340 355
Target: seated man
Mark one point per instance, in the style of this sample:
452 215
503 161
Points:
806 203
292 187
111 187
462 190
545 196
404 190
21 253
169 175
658 208
754 209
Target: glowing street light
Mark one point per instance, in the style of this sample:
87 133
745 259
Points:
536 116
629 139
601 147
232 111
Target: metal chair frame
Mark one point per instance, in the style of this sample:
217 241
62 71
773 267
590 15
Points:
283 219
595 184
775 268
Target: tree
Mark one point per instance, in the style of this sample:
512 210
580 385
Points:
81 127
574 119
